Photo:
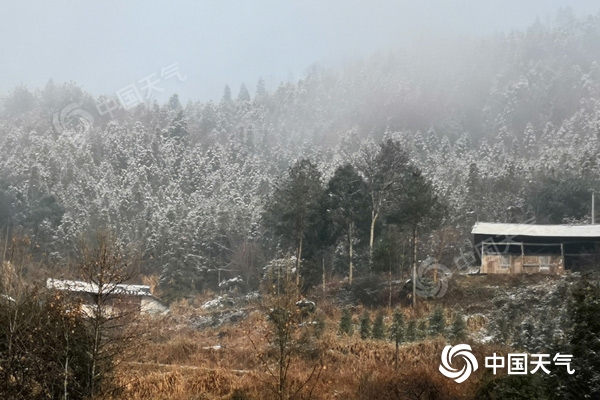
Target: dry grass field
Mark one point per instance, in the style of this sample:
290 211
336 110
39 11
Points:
178 361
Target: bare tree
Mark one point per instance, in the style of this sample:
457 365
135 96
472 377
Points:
105 266
289 337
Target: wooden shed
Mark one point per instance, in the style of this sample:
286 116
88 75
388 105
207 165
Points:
529 248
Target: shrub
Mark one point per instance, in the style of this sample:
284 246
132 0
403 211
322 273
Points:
397 333
397 330
411 331
346 327
48 337
458 329
365 325
508 386
421 332
379 327
418 383
368 291
238 394
289 340
437 322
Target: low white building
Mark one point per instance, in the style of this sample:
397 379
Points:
132 297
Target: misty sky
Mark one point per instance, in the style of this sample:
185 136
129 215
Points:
107 45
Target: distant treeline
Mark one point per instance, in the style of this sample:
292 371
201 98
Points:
502 128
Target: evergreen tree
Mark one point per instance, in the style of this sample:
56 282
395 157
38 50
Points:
422 330
379 327
293 209
19 101
365 325
583 343
474 189
243 94
178 128
554 200
437 322
226 94
397 332
417 206
346 325
346 200
411 331
261 88
174 103
458 329
529 140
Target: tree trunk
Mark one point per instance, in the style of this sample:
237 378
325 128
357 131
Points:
440 253
350 252
66 379
298 258
95 350
396 355
374 216
414 272
390 287
323 261
281 372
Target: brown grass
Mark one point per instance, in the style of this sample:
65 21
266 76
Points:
180 362
177 383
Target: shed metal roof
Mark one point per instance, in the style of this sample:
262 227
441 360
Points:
86 287
499 229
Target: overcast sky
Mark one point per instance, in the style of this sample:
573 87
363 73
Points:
107 45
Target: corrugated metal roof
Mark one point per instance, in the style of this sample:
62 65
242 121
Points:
499 229
86 287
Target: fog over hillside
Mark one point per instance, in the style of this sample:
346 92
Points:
495 123
293 200
106 46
